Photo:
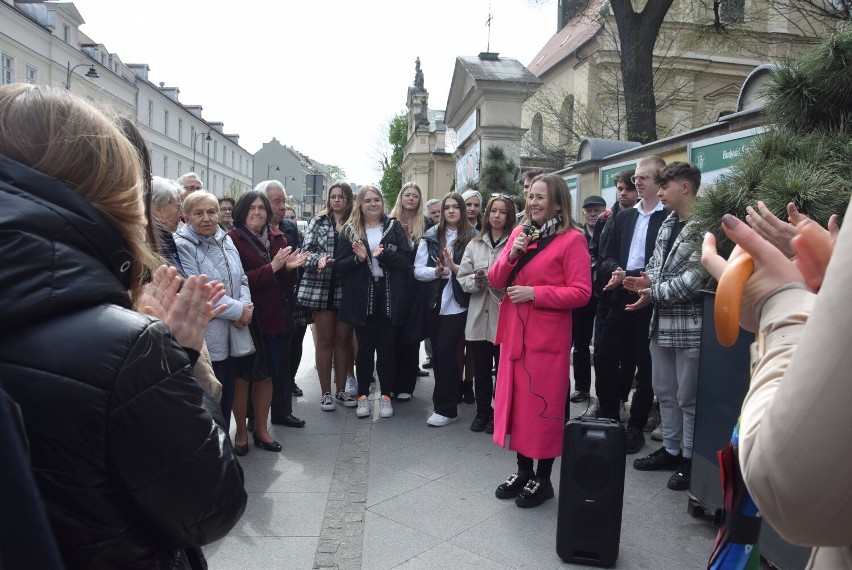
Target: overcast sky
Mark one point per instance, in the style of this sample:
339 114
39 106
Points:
322 76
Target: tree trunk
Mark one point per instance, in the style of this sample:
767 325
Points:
637 34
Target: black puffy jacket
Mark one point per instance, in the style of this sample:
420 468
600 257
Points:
128 451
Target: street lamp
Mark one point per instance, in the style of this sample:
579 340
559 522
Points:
91 73
194 145
269 167
207 182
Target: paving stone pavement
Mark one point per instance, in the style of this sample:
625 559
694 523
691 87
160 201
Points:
378 493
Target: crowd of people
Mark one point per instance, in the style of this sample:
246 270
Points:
195 309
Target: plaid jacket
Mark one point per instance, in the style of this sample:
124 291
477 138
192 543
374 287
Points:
676 284
314 286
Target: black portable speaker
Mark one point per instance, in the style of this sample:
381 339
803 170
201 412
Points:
591 492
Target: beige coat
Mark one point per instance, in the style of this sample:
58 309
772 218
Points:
483 309
203 372
795 445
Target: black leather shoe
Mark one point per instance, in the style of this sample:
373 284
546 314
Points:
296 391
289 421
489 427
534 493
268 446
635 441
479 423
428 363
512 486
241 449
422 373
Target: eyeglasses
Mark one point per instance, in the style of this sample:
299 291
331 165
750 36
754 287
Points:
192 188
226 209
633 179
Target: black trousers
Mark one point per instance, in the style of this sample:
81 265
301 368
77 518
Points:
407 365
624 348
375 342
296 342
282 397
485 358
582 325
446 332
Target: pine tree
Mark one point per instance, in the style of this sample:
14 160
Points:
806 156
497 175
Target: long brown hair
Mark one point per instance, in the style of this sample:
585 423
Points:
55 132
347 191
464 229
510 216
557 195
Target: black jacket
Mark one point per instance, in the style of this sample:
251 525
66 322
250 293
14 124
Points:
617 247
128 451
433 289
358 286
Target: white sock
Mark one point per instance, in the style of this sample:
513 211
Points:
674 451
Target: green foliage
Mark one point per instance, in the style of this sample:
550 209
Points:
806 158
497 175
391 180
335 173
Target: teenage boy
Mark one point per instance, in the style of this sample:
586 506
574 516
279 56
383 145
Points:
673 283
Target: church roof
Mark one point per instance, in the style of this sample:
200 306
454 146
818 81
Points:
577 32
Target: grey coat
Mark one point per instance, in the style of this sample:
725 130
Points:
217 258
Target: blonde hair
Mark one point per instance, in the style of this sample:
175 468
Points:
57 133
355 225
416 226
557 195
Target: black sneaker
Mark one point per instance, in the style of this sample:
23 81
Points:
534 493
296 391
679 481
635 441
659 460
480 422
512 486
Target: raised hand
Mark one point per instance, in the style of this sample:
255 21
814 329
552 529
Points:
280 259
616 279
360 250
297 259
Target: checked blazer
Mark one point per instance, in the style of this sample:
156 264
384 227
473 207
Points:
676 284
314 286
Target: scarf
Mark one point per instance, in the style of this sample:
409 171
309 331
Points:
549 228
262 237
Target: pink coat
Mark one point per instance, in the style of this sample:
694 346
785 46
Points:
535 353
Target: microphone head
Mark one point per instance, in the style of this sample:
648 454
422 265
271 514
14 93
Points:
527 229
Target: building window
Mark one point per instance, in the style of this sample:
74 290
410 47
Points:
241 163
150 113
66 33
7 69
213 187
165 166
166 122
179 168
536 129
215 150
232 159
180 132
732 10
32 74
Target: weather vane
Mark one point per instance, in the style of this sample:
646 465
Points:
488 23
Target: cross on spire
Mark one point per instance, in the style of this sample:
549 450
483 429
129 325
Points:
488 23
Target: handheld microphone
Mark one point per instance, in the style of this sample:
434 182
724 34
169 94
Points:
527 229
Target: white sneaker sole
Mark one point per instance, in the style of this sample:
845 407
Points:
441 422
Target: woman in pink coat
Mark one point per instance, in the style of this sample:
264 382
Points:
546 273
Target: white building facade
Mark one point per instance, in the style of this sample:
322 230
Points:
41 41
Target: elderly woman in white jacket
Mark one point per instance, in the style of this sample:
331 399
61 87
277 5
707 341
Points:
481 327
205 248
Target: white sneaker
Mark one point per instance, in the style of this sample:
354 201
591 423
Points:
657 434
403 397
344 399
327 402
363 409
437 420
387 408
352 386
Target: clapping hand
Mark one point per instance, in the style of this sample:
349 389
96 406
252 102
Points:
636 284
360 250
297 259
616 279
447 261
324 262
280 259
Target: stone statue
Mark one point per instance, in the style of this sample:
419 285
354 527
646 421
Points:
418 75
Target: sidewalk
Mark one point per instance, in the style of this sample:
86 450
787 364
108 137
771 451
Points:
396 493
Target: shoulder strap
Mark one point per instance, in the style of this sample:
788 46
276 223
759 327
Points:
263 253
527 258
